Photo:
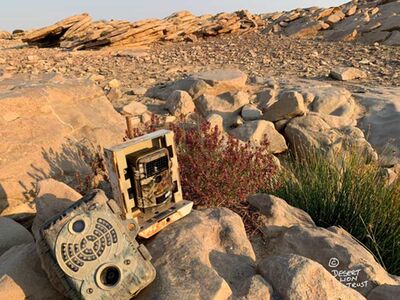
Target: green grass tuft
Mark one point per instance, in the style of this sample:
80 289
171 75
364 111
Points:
349 193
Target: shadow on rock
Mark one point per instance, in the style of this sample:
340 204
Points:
233 269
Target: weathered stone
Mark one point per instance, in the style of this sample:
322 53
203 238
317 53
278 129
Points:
384 292
312 132
222 80
237 121
114 94
381 121
113 84
334 18
333 249
289 105
216 120
304 28
135 108
277 212
140 91
192 260
351 11
9 289
334 101
394 39
297 277
345 74
22 265
266 98
180 103
5 35
12 234
343 35
281 124
258 289
52 197
390 24
224 103
251 113
58 119
376 36
194 87
256 131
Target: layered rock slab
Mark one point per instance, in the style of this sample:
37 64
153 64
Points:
46 123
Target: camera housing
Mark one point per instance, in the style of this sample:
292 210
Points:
90 253
145 181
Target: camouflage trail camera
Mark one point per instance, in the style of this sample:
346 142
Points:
94 252
144 176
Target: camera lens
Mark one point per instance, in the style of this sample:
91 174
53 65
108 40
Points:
158 179
78 226
110 276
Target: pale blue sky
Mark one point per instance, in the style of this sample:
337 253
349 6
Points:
26 14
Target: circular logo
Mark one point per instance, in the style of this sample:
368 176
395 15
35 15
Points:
333 262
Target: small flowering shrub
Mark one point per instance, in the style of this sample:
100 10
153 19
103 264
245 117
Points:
218 170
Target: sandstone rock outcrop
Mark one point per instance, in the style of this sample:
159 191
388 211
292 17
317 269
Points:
297 277
277 212
256 131
45 127
192 260
345 74
333 248
312 132
208 255
367 21
80 32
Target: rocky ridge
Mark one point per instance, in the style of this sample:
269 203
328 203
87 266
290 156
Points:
366 21
80 32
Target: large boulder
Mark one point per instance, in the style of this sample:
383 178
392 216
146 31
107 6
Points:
335 102
228 102
313 132
305 28
205 255
256 131
290 104
251 113
385 292
223 80
212 82
381 121
134 108
277 212
347 73
22 265
333 248
180 103
295 277
52 198
12 234
46 126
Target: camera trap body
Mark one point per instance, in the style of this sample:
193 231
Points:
94 253
144 176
